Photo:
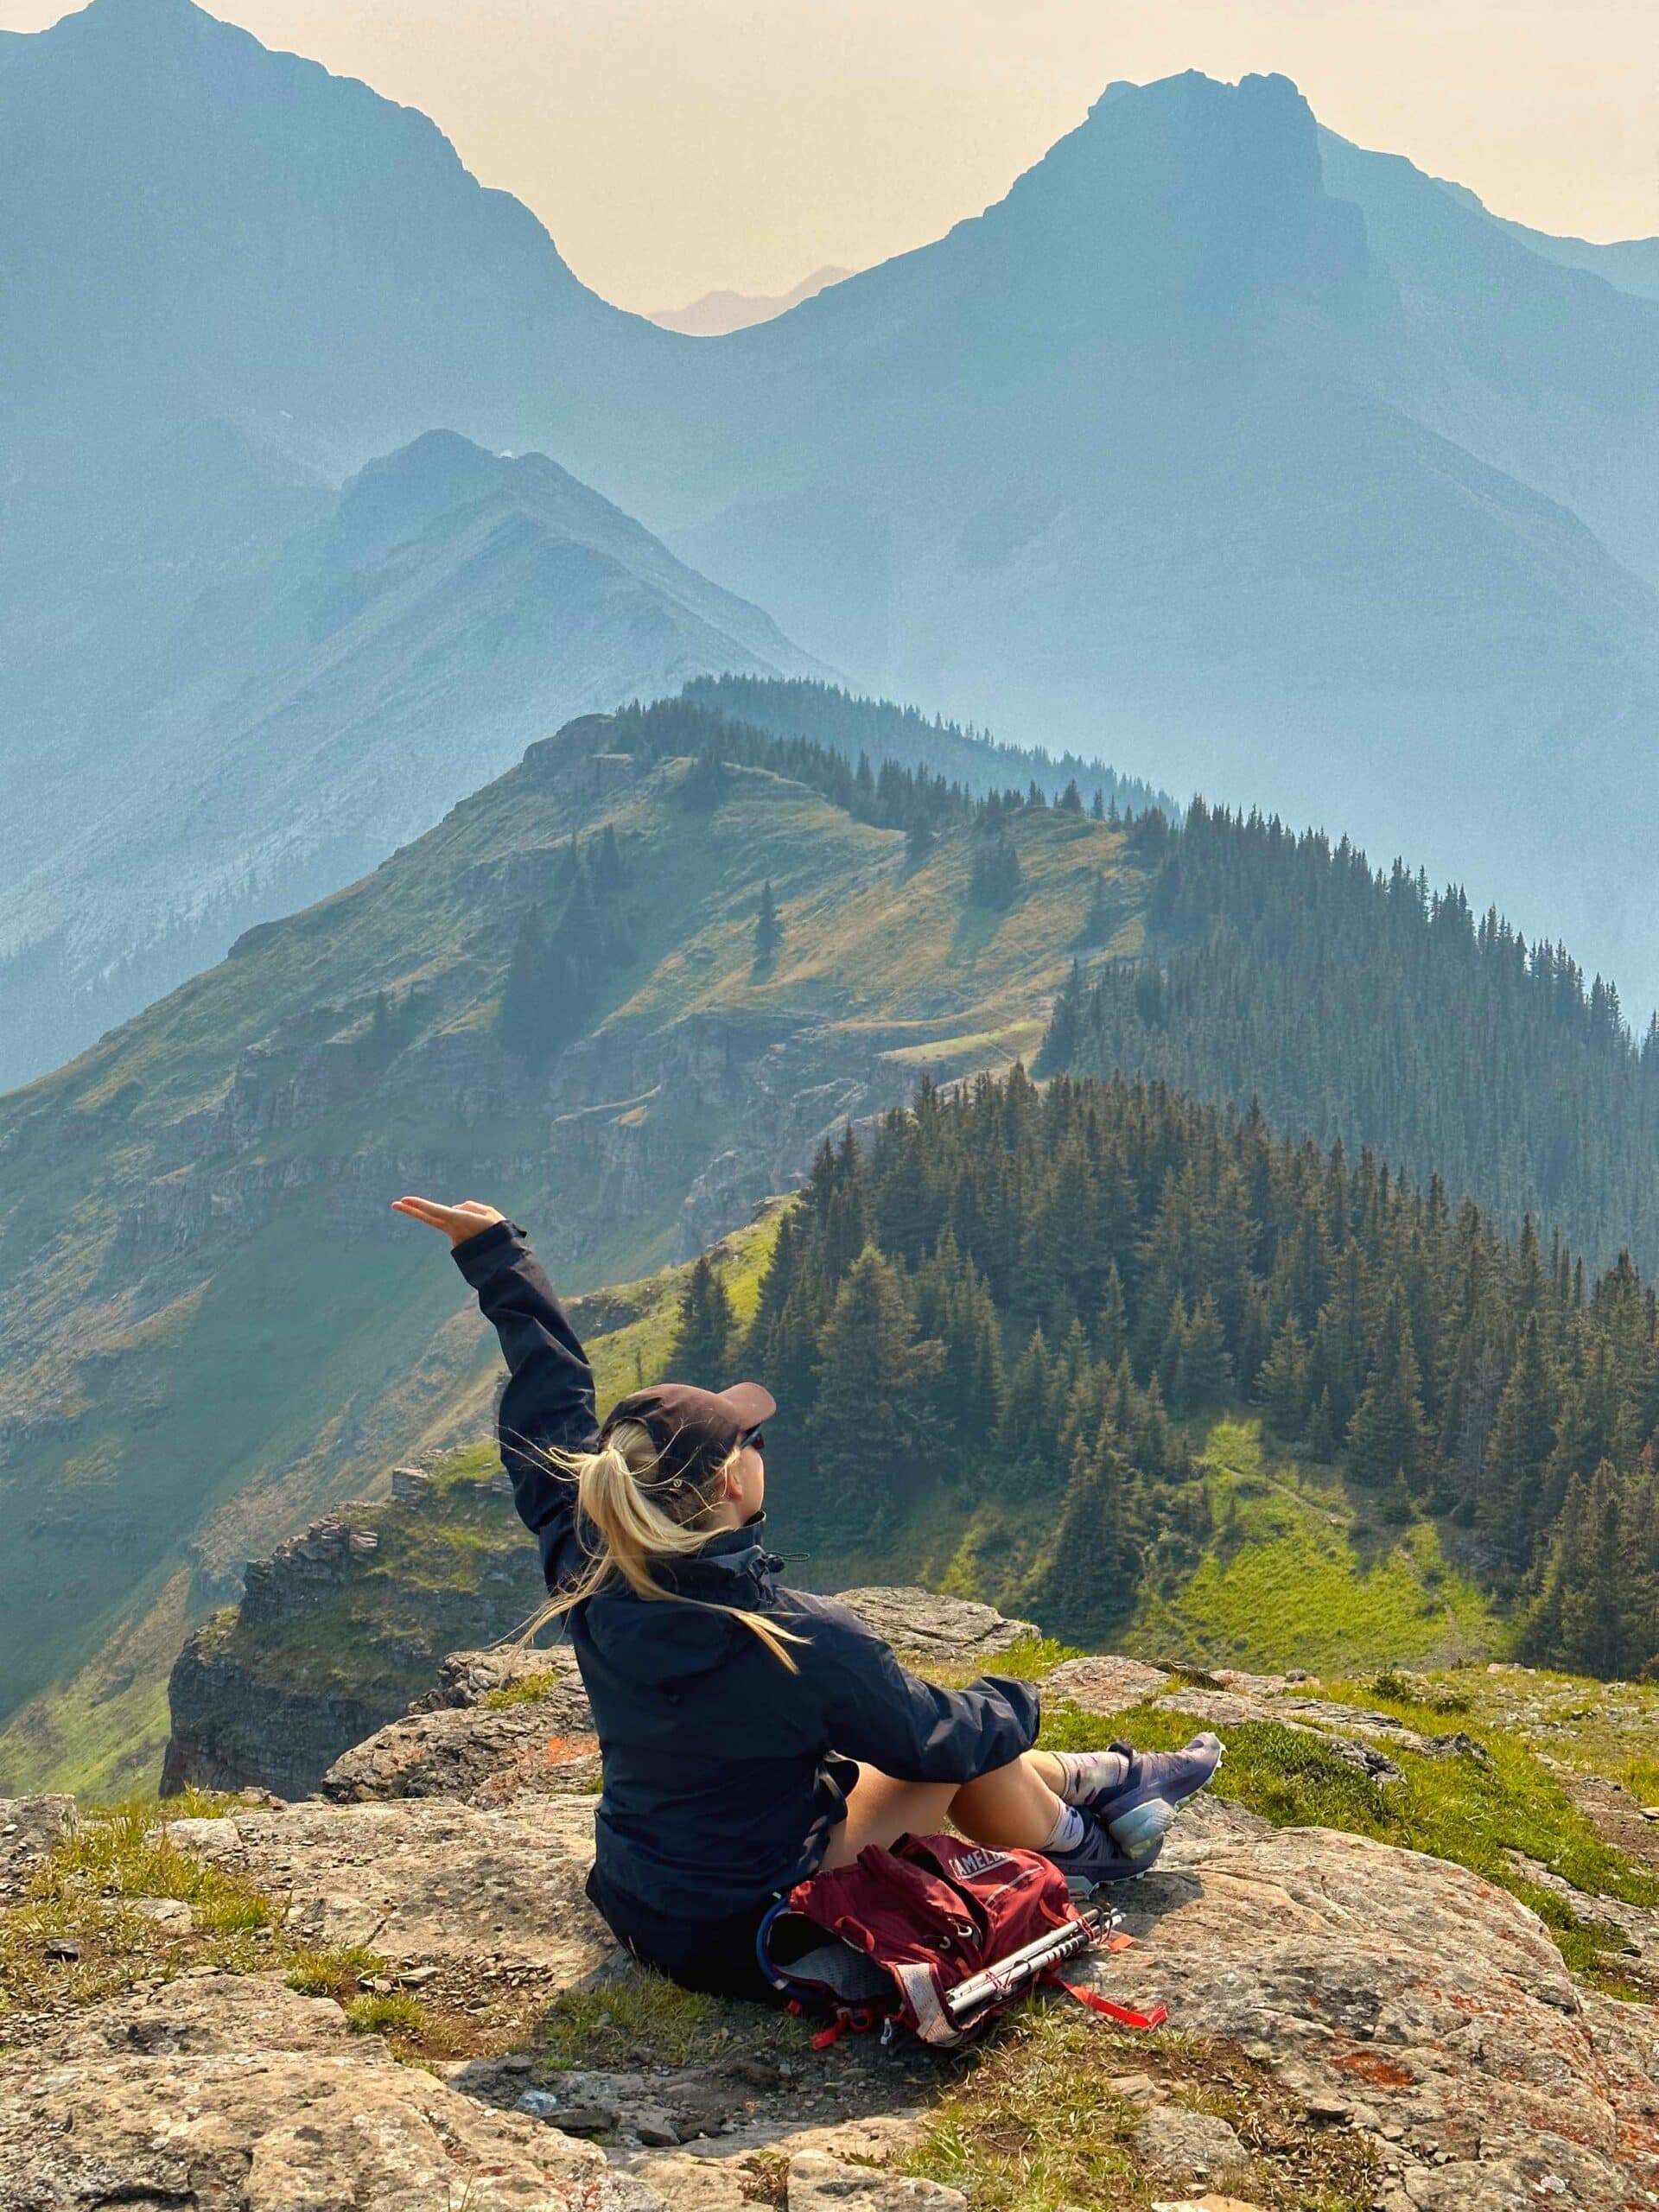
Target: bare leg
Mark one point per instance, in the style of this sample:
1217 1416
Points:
1013 1804
1016 1804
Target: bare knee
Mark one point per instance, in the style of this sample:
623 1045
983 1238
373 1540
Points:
880 1809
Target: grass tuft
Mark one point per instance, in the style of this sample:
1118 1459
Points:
338 1973
396 2015
528 1689
1036 2124
643 2020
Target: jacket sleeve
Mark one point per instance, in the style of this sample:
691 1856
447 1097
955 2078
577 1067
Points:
549 1400
880 1713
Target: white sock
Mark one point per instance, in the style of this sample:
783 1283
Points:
1083 1773
1069 1829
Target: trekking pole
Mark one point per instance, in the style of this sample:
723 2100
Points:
1028 1964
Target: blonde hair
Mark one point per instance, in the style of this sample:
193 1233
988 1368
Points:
640 1518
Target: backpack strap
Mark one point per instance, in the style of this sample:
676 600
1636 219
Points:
1125 2015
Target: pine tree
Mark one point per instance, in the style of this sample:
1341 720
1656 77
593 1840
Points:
768 930
870 1427
1207 1371
704 1330
1282 1388
1112 1325
1088 1587
1028 1438
705 779
994 872
1388 1436
1061 1041
1099 927
1323 1435
1521 1439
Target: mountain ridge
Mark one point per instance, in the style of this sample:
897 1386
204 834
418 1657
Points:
301 717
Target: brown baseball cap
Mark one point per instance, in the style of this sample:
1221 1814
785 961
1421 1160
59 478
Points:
695 1431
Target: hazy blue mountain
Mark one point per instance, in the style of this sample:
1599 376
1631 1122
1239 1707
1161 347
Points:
1547 371
1164 452
1246 462
308 712
1630 264
716 313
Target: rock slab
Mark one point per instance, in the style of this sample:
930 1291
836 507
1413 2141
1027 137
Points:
226 2091
422 1879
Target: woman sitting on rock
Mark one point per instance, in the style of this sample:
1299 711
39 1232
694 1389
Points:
751 1733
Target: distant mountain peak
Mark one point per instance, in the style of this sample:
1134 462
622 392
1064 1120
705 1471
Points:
121 17
718 313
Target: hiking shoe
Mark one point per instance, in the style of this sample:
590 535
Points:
1136 1811
1100 1858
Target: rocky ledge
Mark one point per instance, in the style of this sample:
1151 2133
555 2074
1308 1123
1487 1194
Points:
1349 2022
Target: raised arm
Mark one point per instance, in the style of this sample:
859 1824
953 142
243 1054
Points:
548 1404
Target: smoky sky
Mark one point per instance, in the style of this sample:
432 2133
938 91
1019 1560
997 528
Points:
674 146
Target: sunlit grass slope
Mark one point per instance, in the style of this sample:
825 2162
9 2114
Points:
1298 1575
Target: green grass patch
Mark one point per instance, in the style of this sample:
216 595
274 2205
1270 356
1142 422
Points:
78 1933
1292 1580
394 2015
339 1974
643 2020
1029 1661
528 1689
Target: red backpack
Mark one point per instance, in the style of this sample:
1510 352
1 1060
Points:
937 1935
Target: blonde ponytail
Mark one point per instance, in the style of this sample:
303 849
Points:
639 1519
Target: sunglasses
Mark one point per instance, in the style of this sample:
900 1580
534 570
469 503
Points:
756 1440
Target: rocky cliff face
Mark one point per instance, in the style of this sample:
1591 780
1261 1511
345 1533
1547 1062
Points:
341 1627
1350 2024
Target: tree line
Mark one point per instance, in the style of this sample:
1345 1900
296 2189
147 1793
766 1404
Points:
1006 1300
1358 1004
847 724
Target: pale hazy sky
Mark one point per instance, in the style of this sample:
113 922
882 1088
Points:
674 146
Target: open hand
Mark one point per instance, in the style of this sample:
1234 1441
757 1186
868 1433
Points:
457 1222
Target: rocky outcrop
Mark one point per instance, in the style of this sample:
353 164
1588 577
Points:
333 1639
423 1882
219 2091
509 1724
1398 1999
30 1827
460 1742
948 1630
1407 1999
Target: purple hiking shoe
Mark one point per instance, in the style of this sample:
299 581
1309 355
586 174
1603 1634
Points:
1099 1859
1135 1812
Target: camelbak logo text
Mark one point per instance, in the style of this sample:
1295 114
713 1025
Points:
981 1862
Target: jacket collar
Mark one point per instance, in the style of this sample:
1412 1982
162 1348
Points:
728 1554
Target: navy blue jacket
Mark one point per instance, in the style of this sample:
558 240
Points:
723 1771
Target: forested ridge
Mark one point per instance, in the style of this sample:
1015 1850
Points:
1010 1297
843 722
1358 1004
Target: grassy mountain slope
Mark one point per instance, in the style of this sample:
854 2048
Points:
306 710
212 1324
435 1584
